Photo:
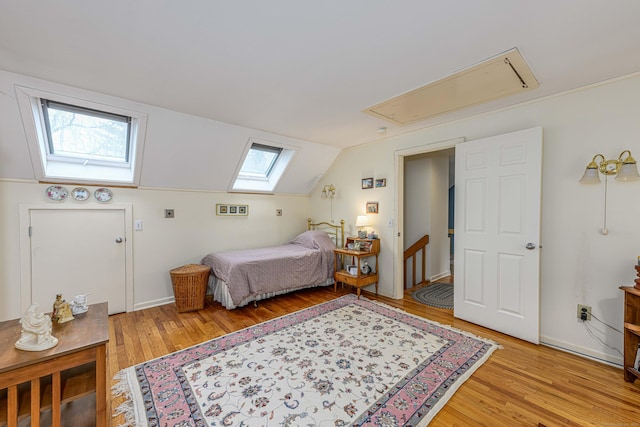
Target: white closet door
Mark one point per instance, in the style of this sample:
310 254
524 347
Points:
78 251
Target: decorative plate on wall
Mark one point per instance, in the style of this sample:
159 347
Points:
80 193
57 192
103 194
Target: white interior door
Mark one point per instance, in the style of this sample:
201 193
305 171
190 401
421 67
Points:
497 223
78 251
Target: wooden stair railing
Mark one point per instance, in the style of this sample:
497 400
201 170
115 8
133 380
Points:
411 253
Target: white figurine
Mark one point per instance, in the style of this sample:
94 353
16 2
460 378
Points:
79 304
36 331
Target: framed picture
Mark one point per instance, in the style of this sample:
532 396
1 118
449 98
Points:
381 182
367 183
372 207
232 210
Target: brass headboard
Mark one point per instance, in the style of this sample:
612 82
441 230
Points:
333 229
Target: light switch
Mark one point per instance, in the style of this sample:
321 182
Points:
137 225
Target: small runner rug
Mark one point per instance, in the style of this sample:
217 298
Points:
348 361
438 295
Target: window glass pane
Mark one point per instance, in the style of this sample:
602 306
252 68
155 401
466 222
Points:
260 160
86 134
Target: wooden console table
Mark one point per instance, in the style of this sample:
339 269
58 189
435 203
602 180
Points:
39 384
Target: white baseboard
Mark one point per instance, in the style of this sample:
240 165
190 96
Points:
583 351
153 303
440 276
158 302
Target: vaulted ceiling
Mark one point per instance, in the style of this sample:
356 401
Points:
307 69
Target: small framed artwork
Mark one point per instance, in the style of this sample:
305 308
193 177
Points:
232 210
367 183
381 182
372 207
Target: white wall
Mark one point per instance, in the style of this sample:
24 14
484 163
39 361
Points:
163 243
181 151
346 173
578 264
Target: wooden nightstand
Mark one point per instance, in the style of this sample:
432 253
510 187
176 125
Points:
631 331
368 248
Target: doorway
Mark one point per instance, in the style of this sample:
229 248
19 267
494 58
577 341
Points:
428 185
399 240
497 230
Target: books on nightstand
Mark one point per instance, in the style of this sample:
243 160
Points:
636 364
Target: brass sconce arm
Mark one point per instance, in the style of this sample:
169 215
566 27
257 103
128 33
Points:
628 160
593 164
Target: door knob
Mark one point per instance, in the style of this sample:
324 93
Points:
119 240
530 246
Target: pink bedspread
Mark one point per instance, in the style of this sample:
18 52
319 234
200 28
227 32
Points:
305 261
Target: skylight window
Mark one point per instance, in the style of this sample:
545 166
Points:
78 140
260 161
262 166
82 135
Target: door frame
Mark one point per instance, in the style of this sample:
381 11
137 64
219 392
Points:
25 245
398 288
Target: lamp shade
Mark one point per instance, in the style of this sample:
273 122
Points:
590 176
628 172
362 221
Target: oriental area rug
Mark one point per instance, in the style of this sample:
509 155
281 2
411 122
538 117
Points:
345 362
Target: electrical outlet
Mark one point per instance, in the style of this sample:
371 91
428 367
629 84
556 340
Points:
169 213
584 312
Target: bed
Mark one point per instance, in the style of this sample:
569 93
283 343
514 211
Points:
242 276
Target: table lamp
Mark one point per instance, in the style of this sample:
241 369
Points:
362 221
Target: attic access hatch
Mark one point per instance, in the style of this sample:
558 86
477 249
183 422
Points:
504 75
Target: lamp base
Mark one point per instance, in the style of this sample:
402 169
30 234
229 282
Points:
362 234
637 286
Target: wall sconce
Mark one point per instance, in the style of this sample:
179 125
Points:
328 191
362 221
624 168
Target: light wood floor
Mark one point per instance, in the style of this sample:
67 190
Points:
520 385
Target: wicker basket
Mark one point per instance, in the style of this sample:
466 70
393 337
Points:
190 286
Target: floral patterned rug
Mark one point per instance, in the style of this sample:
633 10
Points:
344 362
